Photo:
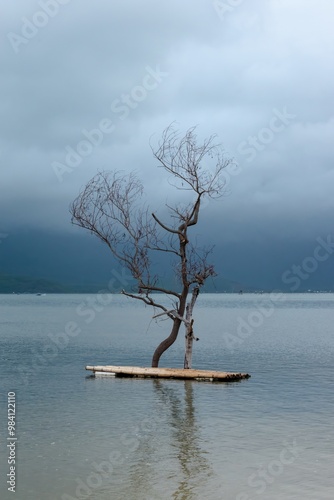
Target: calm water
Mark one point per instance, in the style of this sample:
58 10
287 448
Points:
269 437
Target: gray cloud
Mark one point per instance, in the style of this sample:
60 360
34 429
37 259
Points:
230 74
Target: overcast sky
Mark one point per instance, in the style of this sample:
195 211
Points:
258 73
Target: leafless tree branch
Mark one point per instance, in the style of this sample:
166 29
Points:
110 206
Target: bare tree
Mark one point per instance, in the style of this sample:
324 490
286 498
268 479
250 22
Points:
110 207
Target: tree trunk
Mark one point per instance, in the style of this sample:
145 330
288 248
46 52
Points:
189 345
165 344
189 329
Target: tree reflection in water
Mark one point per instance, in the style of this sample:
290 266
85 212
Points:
160 472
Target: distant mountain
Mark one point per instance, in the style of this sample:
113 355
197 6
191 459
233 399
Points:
75 262
35 262
25 284
28 284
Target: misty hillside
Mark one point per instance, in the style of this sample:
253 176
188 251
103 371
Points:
82 263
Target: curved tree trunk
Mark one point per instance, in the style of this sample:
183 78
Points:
165 344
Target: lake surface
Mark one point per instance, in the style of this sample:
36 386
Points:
269 437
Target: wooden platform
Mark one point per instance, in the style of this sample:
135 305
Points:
176 373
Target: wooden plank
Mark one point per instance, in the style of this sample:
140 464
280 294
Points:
179 373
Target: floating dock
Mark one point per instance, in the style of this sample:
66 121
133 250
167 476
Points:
175 373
